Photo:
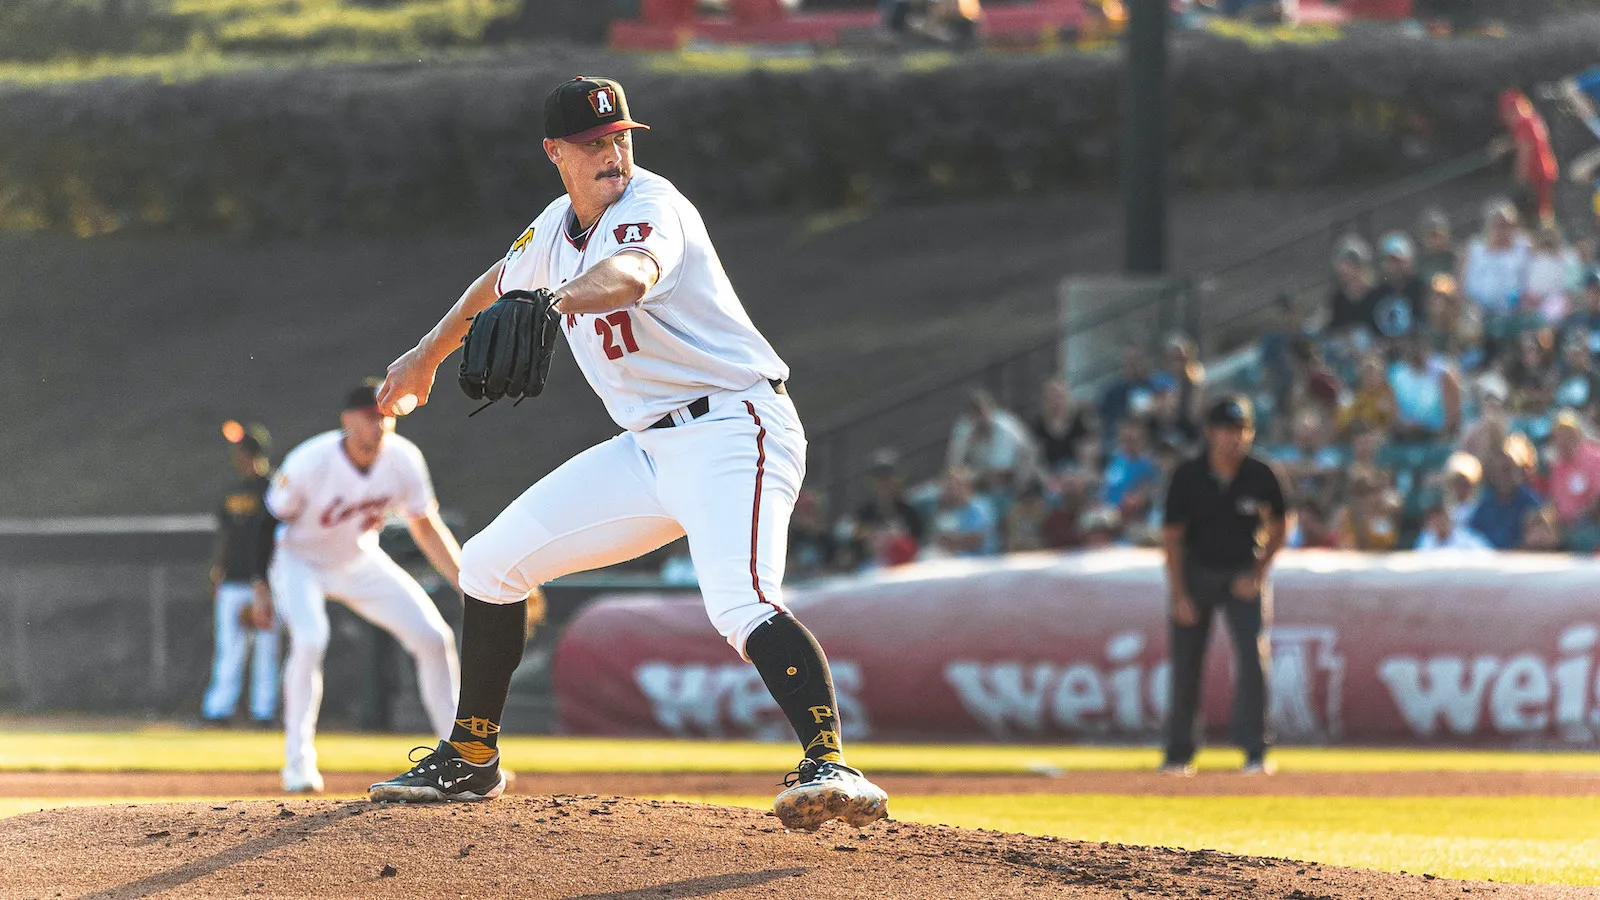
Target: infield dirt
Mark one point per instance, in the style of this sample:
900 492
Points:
586 847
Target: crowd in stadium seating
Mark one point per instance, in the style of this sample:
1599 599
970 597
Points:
1442 397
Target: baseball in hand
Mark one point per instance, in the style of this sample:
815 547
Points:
405 405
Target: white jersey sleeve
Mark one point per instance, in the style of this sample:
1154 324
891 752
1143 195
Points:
657 234
687 338
286 495
527 259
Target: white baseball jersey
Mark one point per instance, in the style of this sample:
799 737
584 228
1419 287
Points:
687 337
330 511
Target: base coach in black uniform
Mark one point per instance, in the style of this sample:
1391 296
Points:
1225 521
238 578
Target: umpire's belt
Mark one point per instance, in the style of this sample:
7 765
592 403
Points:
700 407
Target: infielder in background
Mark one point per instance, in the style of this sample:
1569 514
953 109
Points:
332 495
712 447
238 574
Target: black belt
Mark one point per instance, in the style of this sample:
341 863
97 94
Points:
702 406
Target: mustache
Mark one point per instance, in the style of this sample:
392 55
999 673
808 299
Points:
609 173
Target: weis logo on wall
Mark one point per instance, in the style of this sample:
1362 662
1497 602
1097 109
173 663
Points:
1305 688
730 700
1523 694
1122 696
1126 695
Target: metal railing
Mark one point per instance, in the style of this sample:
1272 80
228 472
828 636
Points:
1222 305
1235 297
914 418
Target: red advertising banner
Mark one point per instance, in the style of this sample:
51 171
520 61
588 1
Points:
1392 649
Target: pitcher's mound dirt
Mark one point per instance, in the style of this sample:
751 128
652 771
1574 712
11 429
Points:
623 849
187 785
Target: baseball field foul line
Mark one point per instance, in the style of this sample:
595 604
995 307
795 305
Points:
171 749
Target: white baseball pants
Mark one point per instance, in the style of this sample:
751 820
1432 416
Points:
727 479
233 646
378 590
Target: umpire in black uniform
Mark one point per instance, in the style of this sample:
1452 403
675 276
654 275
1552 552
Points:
1225 521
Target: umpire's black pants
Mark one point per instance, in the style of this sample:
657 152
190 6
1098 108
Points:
1212 589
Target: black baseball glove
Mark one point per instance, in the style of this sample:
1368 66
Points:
508 349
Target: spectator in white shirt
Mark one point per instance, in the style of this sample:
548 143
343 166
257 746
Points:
1440 532
993 444
1551 277
1496 262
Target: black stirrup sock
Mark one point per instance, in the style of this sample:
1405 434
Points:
492 639
796 672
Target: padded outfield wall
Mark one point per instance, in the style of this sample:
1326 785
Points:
1401 649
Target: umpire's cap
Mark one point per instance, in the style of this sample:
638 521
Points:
587 108
1232 412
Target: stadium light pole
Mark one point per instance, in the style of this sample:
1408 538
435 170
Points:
1144 139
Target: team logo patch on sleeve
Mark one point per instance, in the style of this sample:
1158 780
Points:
633 234
520 245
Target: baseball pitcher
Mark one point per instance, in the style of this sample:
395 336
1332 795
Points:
711 447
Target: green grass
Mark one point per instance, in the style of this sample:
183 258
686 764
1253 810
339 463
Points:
206 62
1545 840
166 749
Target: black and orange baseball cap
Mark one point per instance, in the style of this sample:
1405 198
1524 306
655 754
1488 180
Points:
587 108
253 438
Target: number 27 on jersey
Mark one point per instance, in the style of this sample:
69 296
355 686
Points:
609 326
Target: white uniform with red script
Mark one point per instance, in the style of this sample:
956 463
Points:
726 477
327 546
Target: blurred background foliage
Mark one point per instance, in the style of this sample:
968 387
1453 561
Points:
48 29
225 117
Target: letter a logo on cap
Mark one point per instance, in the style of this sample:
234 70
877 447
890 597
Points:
603 101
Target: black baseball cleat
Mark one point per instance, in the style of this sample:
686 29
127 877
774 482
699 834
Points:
820 792
442 776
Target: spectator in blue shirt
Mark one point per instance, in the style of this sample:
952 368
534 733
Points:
1586 317
1276 350
1132 469
962 524
1504 508
1582 94
1133 392
1312 465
